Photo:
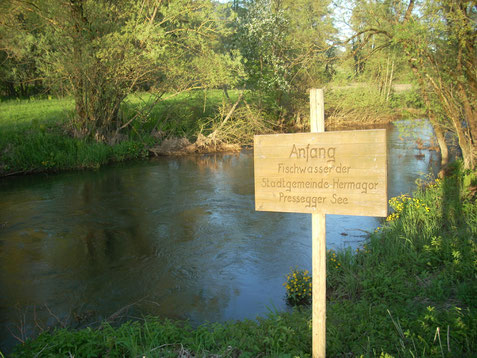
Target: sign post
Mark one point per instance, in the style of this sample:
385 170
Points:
318 244
321 173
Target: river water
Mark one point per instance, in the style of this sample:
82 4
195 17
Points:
173 237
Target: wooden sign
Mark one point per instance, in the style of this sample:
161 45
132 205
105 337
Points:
330 172
321 173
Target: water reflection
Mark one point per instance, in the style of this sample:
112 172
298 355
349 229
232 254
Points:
179 237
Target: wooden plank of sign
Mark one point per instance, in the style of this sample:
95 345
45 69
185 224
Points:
341 172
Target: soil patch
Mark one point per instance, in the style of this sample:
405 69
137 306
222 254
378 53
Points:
203 145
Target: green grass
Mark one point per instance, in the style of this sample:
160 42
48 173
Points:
410 291
363 104
35 134
269 336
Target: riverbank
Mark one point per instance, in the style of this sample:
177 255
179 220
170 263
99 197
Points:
409 291
38 135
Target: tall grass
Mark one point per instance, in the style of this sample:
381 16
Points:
411 289
152 337
184 114
351 106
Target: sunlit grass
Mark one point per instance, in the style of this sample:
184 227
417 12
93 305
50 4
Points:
33 139
21 112
35 135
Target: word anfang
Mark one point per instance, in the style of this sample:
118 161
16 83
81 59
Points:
313 153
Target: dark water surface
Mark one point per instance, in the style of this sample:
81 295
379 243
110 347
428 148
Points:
176 237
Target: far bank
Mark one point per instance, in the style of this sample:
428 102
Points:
38 135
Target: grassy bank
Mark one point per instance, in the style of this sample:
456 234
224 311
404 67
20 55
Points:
410 291
363 105
34 138
37 135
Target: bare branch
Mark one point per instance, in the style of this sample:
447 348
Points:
410 7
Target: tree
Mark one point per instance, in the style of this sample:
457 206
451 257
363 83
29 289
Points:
285 49
104 50
18 72
449 66
438 40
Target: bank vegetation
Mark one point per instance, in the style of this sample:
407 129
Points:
136 72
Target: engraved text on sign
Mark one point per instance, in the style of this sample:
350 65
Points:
331 172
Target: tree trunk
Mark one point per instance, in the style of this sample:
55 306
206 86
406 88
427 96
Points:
78 76
470 116
97 99
438 130
12 92
441 141
391 78
465 143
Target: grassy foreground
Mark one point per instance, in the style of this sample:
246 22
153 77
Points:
409 292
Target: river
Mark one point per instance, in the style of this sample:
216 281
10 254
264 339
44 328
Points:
174 237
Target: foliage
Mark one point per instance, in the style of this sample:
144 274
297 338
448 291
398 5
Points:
407 99
298 287
284 52
102 51
17 61
261 26
437 39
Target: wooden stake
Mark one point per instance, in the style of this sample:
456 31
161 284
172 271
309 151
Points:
318 233
317 110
